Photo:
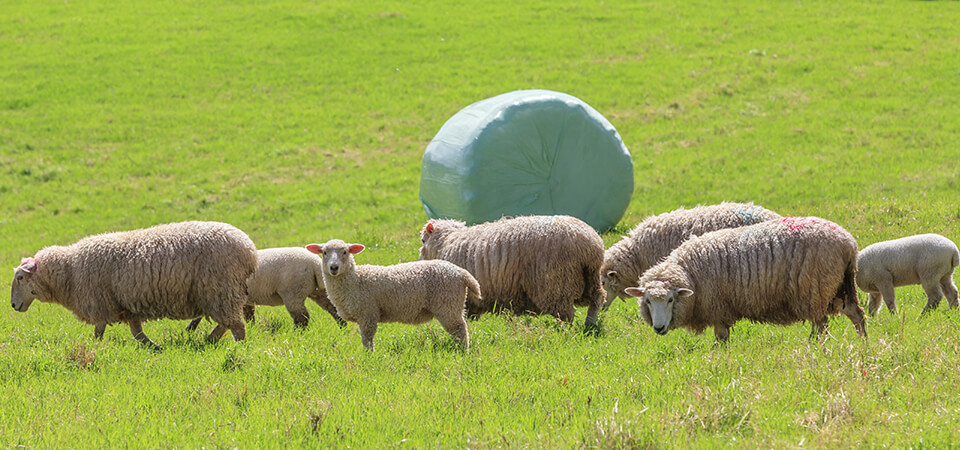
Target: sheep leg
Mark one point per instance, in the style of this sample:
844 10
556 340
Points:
248 313
593 312
457 327
874 299
368 328
933 296
217 333
721 332
239 331
889 296
98 330
818 328
321 299
194 323
949 290
298 311
136 328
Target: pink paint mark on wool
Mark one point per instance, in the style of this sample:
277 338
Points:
797 224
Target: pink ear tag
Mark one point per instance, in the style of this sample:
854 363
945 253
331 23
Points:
28 265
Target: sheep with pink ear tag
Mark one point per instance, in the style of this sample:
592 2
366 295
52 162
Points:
779 271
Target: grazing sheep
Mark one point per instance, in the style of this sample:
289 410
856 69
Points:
177 271
411 293
925 259
532 264
286 276
779 271
654 238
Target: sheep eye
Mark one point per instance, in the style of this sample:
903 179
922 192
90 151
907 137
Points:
33 292
19 277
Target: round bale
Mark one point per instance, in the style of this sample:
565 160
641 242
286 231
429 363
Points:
530 152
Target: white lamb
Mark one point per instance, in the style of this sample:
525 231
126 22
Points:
286 276
412 293
925 259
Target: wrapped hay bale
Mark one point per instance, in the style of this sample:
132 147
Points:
531 152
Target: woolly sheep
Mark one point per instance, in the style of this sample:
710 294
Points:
925 259
286 276
654 238
531 264
779 271
411 293
178 271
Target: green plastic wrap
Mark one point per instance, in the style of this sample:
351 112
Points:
523 153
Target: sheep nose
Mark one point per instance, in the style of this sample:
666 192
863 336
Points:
660 330
334 269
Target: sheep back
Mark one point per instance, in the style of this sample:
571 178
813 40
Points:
656 236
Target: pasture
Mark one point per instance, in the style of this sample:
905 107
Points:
299 122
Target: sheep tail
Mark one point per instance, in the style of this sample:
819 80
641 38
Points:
473 292
848 289
851 304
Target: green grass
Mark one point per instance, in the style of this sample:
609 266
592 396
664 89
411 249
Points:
304 121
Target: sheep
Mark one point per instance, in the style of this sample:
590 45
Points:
179 271
656 236
925 259
411 293
286 276
530 264
779 271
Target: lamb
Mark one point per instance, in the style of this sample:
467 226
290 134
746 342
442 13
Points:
286 276
925 259
654 238
531 264
179 271
779 271
411 293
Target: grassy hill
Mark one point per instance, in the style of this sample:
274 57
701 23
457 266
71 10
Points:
303 121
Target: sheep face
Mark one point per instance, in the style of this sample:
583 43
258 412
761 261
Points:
658 303
337 255
24 286
612 283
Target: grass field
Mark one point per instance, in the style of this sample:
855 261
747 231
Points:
303 121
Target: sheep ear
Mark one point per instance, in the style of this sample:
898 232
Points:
315 248
356 248
684 292
429 227
27 265
634 292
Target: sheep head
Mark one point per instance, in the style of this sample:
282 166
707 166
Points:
431 236
658 300
337 255
24 286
